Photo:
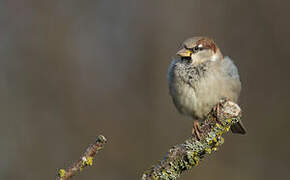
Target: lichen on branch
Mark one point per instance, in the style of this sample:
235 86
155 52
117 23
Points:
84 161
185 156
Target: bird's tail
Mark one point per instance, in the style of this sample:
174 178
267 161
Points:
238 128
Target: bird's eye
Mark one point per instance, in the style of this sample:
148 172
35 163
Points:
196 48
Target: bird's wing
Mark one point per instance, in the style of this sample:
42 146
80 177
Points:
230 68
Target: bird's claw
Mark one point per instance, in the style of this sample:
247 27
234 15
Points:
196 130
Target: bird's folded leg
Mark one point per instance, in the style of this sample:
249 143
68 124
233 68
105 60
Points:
196 129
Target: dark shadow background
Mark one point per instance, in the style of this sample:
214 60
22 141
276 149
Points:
71 70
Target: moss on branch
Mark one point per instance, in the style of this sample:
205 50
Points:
185 156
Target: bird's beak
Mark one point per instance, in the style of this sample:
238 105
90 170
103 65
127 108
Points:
184 53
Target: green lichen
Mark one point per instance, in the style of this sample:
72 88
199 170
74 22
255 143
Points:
87 161
61 173
191 152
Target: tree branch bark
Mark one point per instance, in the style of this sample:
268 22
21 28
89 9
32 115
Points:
185 156
181 157
84 161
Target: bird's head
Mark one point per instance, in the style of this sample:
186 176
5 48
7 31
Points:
198 50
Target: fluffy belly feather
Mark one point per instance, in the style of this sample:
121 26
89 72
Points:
195 93
197 102
185 100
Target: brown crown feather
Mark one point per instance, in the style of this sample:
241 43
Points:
207 43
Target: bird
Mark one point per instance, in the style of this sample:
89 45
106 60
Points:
200 77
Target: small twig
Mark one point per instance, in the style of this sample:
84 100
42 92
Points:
85 160
185 156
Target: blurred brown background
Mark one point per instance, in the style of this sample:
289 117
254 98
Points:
71 70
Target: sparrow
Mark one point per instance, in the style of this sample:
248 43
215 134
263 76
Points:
200 77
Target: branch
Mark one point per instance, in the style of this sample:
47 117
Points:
85 160
185 156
